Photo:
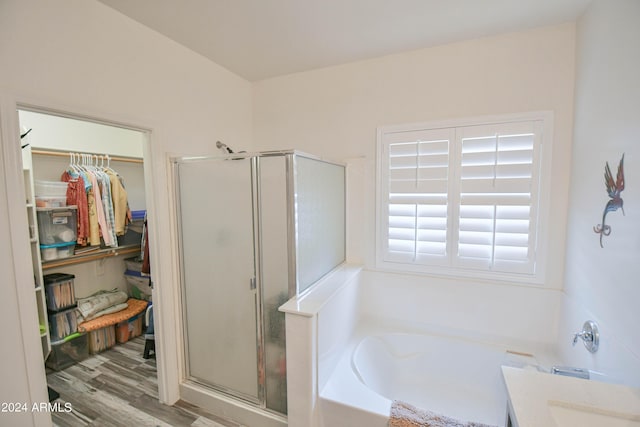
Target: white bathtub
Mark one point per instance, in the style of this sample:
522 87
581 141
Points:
360 339
456 377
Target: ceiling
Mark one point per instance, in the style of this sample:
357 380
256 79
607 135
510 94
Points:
259 39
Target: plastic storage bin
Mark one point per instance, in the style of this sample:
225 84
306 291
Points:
137 221
50 194
133 264
57 250
58 287
57 225
70 350
50 201
50 188
102 339
139 285
63 324
129 329
133 234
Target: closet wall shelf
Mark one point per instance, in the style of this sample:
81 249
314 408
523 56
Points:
66 154
92 256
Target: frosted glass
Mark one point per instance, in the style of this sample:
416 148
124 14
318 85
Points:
237 222
216 218
320 219
275 276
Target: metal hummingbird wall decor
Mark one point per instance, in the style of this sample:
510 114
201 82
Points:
614 188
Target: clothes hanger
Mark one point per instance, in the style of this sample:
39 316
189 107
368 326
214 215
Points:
108 167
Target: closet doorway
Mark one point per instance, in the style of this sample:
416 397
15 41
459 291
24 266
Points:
71 266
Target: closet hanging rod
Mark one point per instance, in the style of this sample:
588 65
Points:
66 154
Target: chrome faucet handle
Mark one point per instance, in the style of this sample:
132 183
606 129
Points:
584 335
589 335
575 338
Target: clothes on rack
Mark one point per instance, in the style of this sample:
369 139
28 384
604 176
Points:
104 211
77 195
122 214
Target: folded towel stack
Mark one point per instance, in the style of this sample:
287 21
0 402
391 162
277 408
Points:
101 303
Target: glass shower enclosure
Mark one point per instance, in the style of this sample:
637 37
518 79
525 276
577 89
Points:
254 230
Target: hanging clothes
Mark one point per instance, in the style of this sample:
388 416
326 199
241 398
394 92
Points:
94 226
107 204
100 215
120 202
102 202
77 195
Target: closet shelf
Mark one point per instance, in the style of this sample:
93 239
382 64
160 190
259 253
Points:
58 153
92 256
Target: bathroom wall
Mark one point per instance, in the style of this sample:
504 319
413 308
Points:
334 112
602 282
82 57
16 366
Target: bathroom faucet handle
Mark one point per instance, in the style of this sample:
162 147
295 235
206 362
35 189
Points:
589 335
584 335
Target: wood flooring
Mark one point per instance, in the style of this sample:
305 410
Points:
118 388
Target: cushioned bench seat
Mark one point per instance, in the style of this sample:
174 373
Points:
135 306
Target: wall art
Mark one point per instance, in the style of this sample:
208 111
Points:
614 188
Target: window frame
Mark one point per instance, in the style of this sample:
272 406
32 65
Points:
541 208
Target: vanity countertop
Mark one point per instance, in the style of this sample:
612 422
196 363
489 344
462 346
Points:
538 399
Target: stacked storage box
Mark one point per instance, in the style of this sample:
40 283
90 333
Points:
57 231
129 329
139 284
67 345
133 234
102 339
63 324
68 351
59 291
50 194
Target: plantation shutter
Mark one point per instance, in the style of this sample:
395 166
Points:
416 189
497 191
462 198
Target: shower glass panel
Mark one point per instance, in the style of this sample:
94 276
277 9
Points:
274 257
320 219
218 267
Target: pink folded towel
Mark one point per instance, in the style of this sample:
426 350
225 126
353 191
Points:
406 415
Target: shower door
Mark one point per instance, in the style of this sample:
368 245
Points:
220 305
255 229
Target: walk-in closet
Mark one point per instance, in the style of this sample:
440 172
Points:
86 209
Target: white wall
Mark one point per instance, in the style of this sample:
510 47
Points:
84 58
55 133
334 112
17 370
602 283
67 134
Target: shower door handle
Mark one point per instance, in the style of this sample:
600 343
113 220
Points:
252 283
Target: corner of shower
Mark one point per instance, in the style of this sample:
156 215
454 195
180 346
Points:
254 229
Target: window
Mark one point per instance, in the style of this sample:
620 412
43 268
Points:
462 199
